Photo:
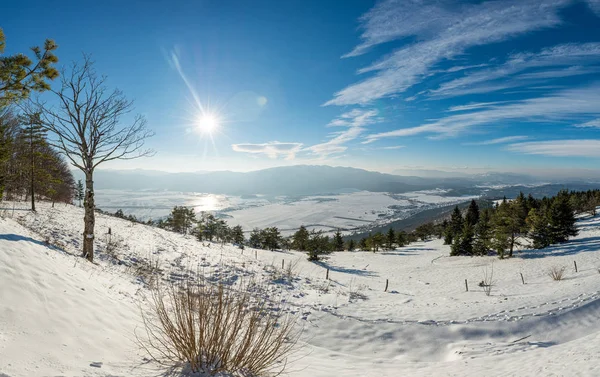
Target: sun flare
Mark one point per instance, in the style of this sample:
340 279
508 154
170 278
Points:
208 123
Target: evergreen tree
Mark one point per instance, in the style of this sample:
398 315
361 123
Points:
472 216
338 242
318 245
254 239
34 137
390 239
454 227
401 238
507 227
351 245
539 231
270 238
363 244
300 239
237 234
378 241
483 234
79 192
181 219
19 75
561 222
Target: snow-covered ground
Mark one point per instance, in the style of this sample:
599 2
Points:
60 315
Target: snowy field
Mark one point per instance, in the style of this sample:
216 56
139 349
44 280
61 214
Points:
356 211
60 315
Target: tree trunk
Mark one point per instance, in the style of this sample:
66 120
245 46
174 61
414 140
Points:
89 220
32 176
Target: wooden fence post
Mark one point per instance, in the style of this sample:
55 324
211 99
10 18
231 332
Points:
466 285
327 275
575 263
522 279
386 285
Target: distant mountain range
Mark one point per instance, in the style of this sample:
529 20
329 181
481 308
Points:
300 180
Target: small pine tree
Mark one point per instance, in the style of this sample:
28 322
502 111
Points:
255 240
338 241
454 227
237 235
363 244
390 239
483 234
537 221
561 222
318 245
79 192
401 238
472 216
351 245
300 239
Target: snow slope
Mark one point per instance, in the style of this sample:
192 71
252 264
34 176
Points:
59 315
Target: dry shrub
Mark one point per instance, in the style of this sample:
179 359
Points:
488 280
216 329
556 272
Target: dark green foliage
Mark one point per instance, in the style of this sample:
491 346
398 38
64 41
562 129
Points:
472 216
561 221
181 219
425 231
79 192
390 239
19 75
363 244
254 240
270 238
351 245
338 241
300 239
483 234
539 232
376 241
401 238
318 245
454 228
237 235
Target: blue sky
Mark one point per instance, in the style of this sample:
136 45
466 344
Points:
385 85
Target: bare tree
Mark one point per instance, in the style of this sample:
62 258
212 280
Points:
88 129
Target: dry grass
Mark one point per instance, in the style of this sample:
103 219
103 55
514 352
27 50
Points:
215 329
557 272
488 280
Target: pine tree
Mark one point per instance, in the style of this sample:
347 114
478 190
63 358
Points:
507 227
539 230
34 137
561 219
390 239
300 239
351 245
472 216
377 240
19 75
318 245
237 234
363 244
454 227
254 239
181 219
483 234
338 241
401 239
79 192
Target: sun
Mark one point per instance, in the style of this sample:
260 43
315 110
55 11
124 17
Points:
208 123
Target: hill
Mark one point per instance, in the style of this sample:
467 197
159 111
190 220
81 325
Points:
60 315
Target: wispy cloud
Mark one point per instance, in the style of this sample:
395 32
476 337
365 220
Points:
485 81
444 31
595 123
355 122
500 140
395 147
559 148
595 6
273 149
563 105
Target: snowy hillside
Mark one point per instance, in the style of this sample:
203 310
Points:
60 315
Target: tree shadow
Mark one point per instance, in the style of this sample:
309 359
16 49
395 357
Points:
404 251
345 270
18 238
581 245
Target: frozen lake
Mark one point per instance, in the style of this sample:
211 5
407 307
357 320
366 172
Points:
353 211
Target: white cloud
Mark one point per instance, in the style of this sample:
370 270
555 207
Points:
395 147
500 140
559 148
355 122
443 31
273 149
591 124
563 105
485 81
594 6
